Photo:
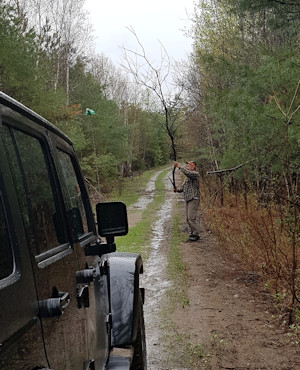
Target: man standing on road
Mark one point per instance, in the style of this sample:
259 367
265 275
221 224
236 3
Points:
191 194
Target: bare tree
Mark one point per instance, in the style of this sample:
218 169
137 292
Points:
157 81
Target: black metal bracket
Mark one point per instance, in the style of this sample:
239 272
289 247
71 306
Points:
99 249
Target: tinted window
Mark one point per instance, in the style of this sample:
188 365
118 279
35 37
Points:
29 166
73 197
6 258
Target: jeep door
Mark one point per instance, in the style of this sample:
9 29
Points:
56 234
82 228
21 338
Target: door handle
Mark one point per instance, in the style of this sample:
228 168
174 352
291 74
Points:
54 306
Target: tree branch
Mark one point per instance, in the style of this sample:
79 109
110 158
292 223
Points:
227 169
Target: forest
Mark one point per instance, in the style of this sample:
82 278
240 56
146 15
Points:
233 106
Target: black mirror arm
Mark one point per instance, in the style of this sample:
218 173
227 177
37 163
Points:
110 239
99 249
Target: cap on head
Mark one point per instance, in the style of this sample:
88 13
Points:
192 163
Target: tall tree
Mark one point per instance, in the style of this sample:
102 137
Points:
68 33
245 85
156 80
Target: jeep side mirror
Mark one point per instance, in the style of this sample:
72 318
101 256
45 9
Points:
112 220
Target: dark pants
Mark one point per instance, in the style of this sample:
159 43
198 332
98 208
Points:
191 216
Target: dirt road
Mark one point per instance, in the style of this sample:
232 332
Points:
229 322
230 315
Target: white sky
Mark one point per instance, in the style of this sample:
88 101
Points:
152 20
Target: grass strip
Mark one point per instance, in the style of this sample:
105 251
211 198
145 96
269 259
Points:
176 268
130 189
137 240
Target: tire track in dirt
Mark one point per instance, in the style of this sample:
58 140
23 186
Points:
154 279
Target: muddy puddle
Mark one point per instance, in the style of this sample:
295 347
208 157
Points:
154 279
148 196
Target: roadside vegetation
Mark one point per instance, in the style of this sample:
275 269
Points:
262 238
245 79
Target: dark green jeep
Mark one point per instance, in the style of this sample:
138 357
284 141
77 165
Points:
67 299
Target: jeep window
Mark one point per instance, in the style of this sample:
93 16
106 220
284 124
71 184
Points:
73 198
6 257
29 166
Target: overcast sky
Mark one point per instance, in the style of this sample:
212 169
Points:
152 20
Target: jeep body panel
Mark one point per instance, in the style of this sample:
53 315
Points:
32 148
58 288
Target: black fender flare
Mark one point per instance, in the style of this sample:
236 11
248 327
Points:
124 282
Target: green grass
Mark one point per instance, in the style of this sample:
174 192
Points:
137 240
176 268
130 189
